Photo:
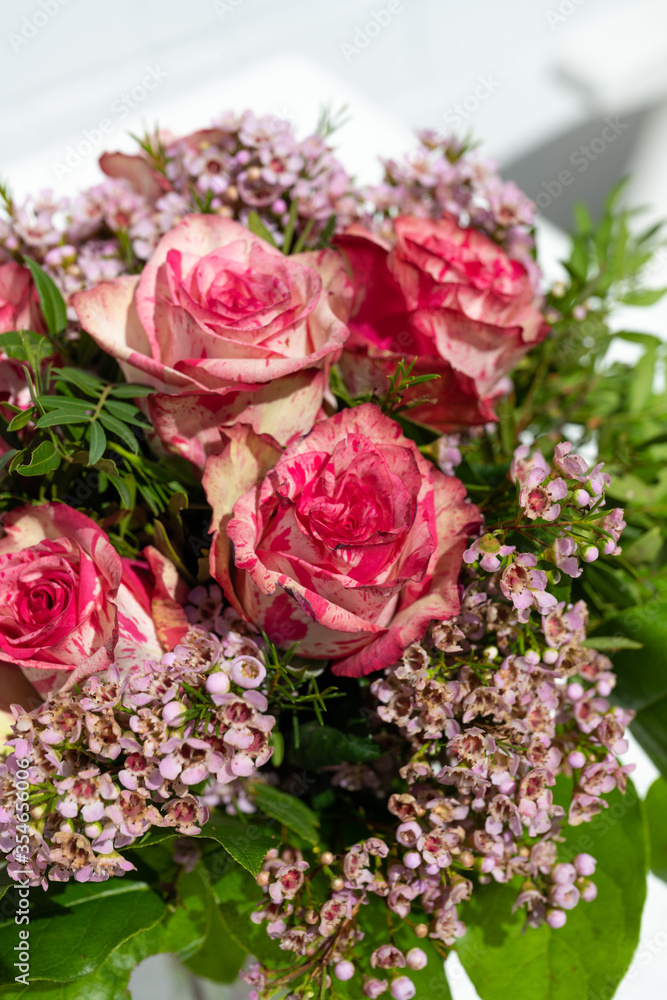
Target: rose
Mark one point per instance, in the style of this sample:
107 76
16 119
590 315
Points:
349 542
68 602
19 304
225 328
448 296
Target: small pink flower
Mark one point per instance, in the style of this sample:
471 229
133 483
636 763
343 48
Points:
539 499
489 551
525 586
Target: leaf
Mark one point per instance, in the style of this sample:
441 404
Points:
591 953
120 430
126 412
642 296
44 459
611 642
98 443
246 843
64 416
21 419
324 745
256 226
220 964
287 809
124 493
655 804
289 228
642 676
132 391
78 927
85 381
50 299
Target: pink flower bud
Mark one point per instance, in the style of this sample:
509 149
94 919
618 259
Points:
343 970
590 554
564 896
582 498
173 713
576 759
550 656
403 988
374 988
589 892
564 874
584 864
575 691
217 683
556 919
416 959
412 859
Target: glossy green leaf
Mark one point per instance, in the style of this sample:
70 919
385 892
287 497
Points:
73 931
220 957
98 443
50 299
656 815
287 809
118 428
593 951
321 746
247 843
21 419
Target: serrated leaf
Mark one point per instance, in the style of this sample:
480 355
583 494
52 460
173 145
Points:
287 809
321 746
246 843
51 301
120 430
43 459
98 443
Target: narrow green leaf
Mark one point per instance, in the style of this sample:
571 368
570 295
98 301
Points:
132 391
289 228
611 642
256 226
56 418
44 459
21 419
123 489
50 299
98 443
642 296
287 809
120 430
85 381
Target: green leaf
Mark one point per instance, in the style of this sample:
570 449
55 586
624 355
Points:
85 381
132 391
287 809
289 228
642 675
98 443
50 299
323 745
594 949
21 419
64 416
220 964
44 459
611 642
126 412
246 843
256 226
120 430
642 296
124 492
655 804
78 927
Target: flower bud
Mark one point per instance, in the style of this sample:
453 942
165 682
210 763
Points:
412 859
217 683
343 970
589 892
564 874
575 691
262 878
421 930
584 864
556 919
416 959
576 759
590 554
337 884
550 656
173 713
582 498
403 988
326 858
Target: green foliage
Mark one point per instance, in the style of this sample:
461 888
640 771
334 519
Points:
246 842
655 804
288 810
322 746
594 949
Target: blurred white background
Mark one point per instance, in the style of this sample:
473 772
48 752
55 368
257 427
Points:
537 81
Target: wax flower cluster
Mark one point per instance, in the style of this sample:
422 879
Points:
106 762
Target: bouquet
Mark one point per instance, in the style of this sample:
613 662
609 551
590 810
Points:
332 574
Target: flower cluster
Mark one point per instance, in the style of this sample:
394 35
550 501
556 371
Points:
123 754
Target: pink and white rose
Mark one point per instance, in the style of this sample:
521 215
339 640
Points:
448 296
349 542
226 328
68 602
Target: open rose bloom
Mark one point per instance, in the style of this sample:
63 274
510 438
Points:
226 329
451 299
349 542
